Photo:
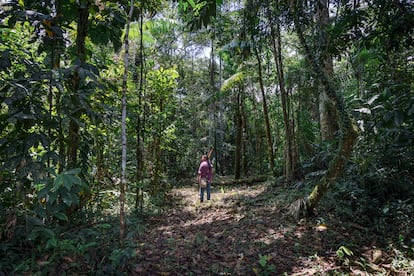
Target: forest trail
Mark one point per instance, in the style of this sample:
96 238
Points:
241 231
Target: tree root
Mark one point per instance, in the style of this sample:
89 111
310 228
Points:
300 208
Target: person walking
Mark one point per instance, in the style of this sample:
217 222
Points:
204 177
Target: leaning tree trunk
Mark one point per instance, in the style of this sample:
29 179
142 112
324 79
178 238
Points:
304 206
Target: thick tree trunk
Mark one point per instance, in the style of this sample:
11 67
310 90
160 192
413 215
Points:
336 167
303 207
327 109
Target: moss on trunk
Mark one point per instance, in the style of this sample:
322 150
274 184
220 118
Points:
335 169
304 206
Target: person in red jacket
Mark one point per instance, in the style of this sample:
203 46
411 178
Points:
204 177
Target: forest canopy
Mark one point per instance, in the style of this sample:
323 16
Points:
107 107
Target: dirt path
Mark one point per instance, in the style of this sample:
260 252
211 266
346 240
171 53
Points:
240 232
244 230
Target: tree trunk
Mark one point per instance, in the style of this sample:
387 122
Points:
123 181
270 154
239 136
73 138
327 109
304 207
218 137
57 42
290 163
139 63
245 137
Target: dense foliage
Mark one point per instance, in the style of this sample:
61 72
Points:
235 76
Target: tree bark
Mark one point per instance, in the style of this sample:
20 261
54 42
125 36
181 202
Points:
327 108
54 100
304 207
245 137
290 163
73 138
239 136
270 154
123 181
139 63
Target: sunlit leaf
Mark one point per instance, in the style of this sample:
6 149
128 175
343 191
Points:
364 110
372 99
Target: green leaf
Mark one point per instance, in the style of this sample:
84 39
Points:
43 191
344 252
182 6
66 198
51 198
263 261
51 243
398 117
58 182
61 216
69 181
73 171
40 211
191 2
42 233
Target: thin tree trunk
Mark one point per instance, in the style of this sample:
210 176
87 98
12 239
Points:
270 154
239 135
55 65
157 185
277 52
73 138
244 140
139 127
212 86
304 207
123 181
60 135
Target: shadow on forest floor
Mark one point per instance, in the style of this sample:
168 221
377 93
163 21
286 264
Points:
244 230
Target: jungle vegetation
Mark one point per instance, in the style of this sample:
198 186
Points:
107 107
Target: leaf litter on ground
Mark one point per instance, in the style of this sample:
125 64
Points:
244 229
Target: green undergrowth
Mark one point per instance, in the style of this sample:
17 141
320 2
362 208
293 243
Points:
88 243
91 247
363 233
349 227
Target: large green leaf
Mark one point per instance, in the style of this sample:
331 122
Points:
61 216
70 180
